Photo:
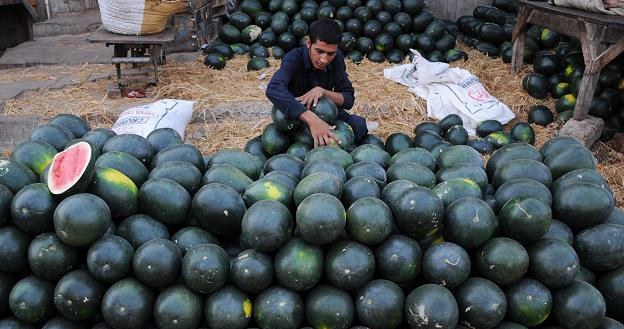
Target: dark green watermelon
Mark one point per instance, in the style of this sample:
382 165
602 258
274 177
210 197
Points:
579 305
528 302
127 304
109 259
278 307
349 265
398 258
482 303
78 295
228 307
328 307
553 262
31 299
266 226
138 229
502 261
446 264
49 258
251 271
431 306
379 304
157 263
205 268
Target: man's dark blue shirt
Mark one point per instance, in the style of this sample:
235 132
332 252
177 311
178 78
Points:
296 76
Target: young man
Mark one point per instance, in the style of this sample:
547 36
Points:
314 71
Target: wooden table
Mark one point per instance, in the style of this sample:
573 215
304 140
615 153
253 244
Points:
142 49
601 36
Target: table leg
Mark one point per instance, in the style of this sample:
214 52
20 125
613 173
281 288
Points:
154 56
590 41
119 51
518 36
585 94
118 69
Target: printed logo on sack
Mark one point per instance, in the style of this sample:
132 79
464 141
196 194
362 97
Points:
479 94
475 90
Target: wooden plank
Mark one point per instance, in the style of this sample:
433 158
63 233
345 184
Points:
217 3
30 9
573 13
196 4
590 42
614 34
101 35
572 26
585 94
562 24
518 36
610 54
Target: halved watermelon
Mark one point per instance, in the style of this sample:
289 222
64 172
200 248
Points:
71 170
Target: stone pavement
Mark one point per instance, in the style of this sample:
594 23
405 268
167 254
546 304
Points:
57 50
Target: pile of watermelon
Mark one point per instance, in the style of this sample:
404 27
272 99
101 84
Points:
119 231
284 135
374 29
557 61
489 30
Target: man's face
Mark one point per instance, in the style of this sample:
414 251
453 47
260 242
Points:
321 53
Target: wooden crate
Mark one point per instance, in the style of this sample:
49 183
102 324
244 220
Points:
219 8
454 9
192 30
193 5
219 11
218 3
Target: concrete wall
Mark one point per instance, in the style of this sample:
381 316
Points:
14 27
62 7
454 9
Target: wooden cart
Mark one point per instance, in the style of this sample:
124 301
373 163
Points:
601 36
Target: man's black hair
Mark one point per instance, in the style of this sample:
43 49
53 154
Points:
326 30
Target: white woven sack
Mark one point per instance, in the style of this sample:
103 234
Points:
137 17
165 113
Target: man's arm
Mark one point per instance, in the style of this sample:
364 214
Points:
277 90
342 94
343 85
336 97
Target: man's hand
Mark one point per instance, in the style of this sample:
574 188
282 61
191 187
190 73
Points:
311 98
613 3
320 130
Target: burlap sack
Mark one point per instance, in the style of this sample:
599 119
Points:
138 17
594 6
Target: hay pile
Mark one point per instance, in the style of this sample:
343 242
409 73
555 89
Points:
390 104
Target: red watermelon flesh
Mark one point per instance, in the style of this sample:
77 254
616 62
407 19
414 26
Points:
71 170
